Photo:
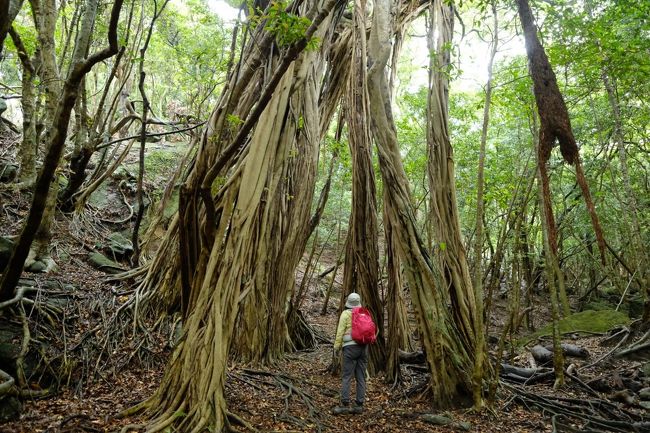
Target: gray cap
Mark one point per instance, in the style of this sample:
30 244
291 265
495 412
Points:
354 300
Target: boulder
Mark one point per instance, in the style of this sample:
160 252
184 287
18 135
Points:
119 246
644 394
8 171
11 337
103 263
122 173
42 264
437 419
6 247
645 369
153 139
58 286
37 266
10 408
443 420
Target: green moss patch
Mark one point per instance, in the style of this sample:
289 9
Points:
589 320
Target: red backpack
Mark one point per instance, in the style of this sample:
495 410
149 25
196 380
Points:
363 328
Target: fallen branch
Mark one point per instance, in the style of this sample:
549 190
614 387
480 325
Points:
541 354
571 350
638 352
579 414
412 357
523 372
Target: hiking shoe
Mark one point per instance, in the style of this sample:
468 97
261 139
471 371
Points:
340 410
356 410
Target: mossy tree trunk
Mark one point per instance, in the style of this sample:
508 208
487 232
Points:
195 377
45 16
397 329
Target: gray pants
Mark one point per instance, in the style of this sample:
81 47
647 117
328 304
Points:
355 360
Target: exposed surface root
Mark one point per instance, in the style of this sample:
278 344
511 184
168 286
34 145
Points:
259 378
578 414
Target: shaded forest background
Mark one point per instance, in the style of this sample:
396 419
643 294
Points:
187 195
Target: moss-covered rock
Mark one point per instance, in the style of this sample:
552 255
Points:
37 266
8 171
444 420
119 246
103 263
599 305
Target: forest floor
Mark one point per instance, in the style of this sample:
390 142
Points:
107 376
295 395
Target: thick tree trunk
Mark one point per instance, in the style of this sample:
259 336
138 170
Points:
29 145
231 240
45 17
194 379
450 350
448 246
262 333
397 331
362 255
40 249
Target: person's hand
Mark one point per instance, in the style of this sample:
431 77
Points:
337 353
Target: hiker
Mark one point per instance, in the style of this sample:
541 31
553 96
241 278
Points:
355 359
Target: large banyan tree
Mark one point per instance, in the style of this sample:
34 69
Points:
227 262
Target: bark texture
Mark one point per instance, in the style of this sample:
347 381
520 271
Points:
555 123
229 211
450 352
466 309
361 272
